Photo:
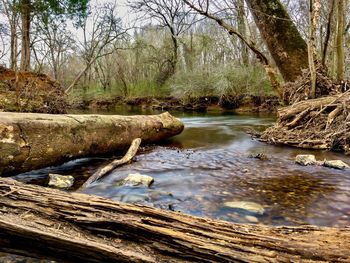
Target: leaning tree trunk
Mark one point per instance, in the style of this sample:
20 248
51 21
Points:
283 40
30 141
40 222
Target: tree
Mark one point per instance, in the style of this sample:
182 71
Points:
314 15
340 58
99 40
11 12
173 15
57 42
203 8
286 46
30 8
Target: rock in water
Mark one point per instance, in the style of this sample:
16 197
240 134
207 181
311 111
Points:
252 219
305 159
336 164
138 179
248 206
260 156
61 181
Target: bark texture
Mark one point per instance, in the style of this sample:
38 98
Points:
283 40
31 141
35 221
25 50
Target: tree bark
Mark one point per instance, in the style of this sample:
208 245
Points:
25 50
41 222
242 28
340 39
32 141
287 47
331 4
314 13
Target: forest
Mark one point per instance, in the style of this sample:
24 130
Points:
174 131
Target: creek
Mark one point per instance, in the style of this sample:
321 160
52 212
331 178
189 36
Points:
208 165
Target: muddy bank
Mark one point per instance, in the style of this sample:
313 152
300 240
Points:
30 92
239 103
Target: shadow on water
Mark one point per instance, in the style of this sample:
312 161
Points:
207 166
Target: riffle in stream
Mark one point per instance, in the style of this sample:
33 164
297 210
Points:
208 166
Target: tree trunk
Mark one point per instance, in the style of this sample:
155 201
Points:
331 4
175 57
242 28
340 39
314 13
32 141
283 40
25 50
41 222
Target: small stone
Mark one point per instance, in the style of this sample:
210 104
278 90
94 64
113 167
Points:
252 219
336 164
248 206
260 156
305 159
61 181
138 179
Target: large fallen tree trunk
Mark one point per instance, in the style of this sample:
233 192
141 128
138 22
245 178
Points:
41 222
31 141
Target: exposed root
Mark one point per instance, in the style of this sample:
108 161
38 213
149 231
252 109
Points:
321 123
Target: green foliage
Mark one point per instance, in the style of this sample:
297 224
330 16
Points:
74 9
222 82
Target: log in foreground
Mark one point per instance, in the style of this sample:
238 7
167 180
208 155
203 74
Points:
31 141
41 222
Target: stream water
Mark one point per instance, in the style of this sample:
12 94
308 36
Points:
208 165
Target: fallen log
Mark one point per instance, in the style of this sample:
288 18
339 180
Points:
31 141
71 227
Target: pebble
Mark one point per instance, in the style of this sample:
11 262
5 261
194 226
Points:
251 207
61 181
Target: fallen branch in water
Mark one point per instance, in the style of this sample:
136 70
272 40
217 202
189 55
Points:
114 164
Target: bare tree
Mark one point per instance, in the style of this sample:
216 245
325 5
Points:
340 57
171 14
314 16
100 33
10 9
203 8
57 41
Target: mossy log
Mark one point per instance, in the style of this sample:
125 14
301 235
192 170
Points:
71 227
30 141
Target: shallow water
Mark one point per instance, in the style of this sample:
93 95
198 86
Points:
208 165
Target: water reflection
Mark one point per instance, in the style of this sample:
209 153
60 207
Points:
208 165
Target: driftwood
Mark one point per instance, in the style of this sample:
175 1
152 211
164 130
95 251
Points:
40 222
115 163
32 141
321 123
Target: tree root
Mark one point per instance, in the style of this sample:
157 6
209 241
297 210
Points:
320 123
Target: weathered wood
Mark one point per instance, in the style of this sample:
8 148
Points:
115 163
293 110
35 221
31 141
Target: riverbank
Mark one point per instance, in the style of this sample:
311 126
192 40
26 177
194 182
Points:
238 103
